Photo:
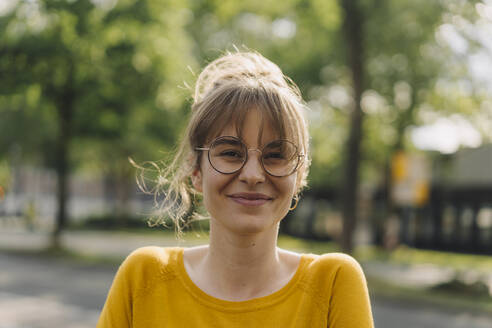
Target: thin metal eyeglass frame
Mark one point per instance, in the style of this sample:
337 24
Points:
299 156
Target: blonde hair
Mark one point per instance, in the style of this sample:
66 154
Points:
225 91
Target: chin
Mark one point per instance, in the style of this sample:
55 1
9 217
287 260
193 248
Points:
250 224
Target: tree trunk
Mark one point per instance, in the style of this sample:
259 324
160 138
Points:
64 109
353 36
403 121
124 185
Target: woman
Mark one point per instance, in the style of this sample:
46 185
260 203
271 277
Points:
246 153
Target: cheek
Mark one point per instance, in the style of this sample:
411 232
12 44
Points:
208 197
214 184
288 190
291 184
286 187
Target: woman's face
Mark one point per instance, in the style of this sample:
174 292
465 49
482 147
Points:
250 200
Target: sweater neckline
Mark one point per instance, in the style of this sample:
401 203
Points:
238 306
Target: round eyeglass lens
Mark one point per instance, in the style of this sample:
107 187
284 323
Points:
227 154
280 158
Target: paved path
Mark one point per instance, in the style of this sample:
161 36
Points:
41 293
109 244
120 244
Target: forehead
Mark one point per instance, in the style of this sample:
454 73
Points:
253 129
228 108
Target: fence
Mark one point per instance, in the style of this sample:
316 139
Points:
455 219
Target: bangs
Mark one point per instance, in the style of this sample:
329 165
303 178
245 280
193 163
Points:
229 105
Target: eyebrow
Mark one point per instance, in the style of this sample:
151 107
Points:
227 141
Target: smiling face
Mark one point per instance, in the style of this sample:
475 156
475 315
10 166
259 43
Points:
250 200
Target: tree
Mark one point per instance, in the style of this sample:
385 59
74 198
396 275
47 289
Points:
105 74
353 25
408 63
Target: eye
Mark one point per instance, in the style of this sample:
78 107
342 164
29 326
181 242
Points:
279 152
231 153
274 155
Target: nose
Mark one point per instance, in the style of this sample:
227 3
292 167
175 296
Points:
252 172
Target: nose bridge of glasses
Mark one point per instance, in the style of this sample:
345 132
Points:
257 150
258 158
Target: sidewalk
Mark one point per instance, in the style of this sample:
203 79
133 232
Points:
91 243
117 245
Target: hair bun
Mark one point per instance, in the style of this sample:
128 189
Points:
243 68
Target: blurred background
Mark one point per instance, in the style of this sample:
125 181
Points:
400 112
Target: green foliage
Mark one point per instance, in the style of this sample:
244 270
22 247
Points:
116 69
5 178
123 64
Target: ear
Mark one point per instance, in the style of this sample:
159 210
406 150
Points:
196 179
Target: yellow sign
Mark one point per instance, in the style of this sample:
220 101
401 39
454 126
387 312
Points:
399 166
411 176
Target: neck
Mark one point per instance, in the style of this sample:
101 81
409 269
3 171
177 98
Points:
235 262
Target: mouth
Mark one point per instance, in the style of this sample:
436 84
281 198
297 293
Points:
250 199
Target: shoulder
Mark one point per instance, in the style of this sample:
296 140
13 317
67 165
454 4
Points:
333 260
339 260
333 274
147 261
153 253
334 266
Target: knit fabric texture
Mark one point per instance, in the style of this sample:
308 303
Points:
153 289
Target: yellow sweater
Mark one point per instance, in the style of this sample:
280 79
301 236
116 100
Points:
153 290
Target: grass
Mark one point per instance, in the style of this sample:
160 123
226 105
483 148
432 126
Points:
306 246
404 255
449 300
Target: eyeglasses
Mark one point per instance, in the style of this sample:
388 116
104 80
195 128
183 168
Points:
228 155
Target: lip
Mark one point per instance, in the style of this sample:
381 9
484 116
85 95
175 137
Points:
250 199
